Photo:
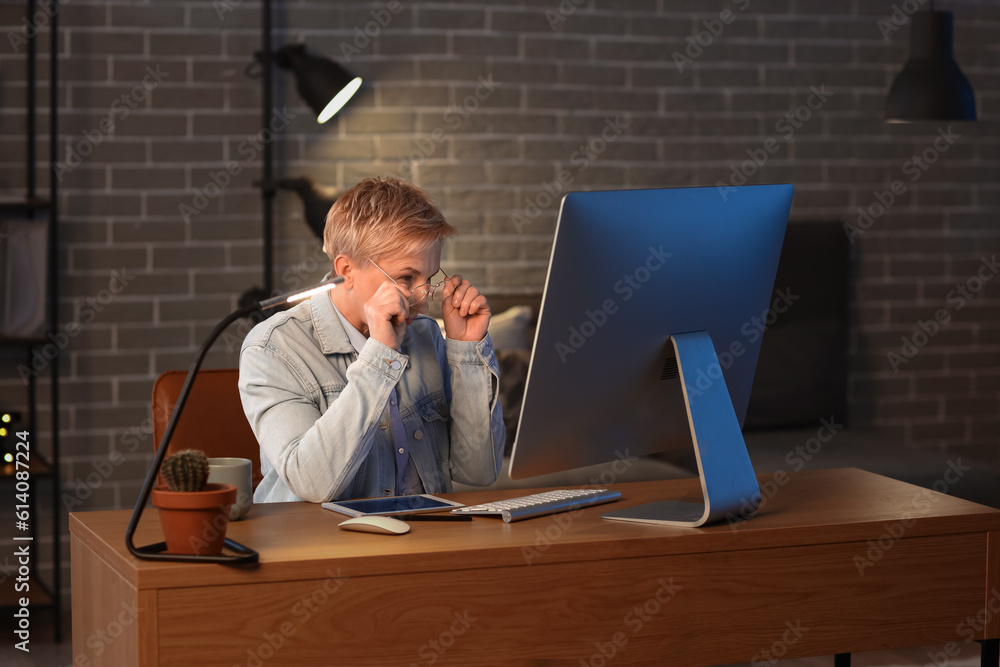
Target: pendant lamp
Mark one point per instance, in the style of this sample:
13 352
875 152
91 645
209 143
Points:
931 86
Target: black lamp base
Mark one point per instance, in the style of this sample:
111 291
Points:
158 550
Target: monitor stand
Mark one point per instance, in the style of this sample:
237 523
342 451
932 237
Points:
728 483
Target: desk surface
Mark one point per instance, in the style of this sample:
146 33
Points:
544 590
825 506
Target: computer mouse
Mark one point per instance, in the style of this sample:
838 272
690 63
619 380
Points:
383 525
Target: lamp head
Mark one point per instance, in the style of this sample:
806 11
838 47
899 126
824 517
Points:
931 85
324 85
316 201
301 294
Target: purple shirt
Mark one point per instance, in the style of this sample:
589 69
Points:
407 479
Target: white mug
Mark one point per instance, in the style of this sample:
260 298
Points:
233 470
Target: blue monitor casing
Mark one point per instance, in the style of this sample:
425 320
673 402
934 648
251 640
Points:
646 338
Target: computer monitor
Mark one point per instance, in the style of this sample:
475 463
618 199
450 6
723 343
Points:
648 337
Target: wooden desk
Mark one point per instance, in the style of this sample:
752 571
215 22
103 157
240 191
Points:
837 561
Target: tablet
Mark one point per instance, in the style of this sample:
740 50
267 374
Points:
391 505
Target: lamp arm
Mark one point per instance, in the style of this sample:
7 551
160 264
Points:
161 452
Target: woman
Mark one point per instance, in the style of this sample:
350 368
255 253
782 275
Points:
354 393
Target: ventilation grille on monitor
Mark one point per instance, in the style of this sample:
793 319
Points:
669 371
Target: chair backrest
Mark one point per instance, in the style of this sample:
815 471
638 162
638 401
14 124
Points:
213 419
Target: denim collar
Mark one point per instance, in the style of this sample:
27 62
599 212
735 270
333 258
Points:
357 338
329 331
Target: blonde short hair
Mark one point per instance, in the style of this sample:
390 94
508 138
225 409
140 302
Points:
382 217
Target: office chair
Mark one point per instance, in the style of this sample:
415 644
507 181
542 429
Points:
213 419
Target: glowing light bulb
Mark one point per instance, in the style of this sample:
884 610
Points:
6 418
8 457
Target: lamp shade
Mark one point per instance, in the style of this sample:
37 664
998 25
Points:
316 200
323 84
931 86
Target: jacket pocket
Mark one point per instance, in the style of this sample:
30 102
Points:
432 430
432 427
434 411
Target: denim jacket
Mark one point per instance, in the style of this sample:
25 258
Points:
320 411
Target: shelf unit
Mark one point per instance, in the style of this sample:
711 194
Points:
30 207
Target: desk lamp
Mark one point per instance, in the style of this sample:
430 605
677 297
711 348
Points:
246 554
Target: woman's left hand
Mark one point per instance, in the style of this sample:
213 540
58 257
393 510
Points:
465 311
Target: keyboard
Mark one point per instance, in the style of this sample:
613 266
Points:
539 504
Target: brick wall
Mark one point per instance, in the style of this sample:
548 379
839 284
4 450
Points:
492 107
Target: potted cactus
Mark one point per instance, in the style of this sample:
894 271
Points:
194 514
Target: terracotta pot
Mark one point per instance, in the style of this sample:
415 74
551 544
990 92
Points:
194 522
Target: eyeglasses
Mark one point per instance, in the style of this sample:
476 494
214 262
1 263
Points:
419 294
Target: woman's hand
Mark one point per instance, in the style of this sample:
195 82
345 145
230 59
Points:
465 311
387 314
